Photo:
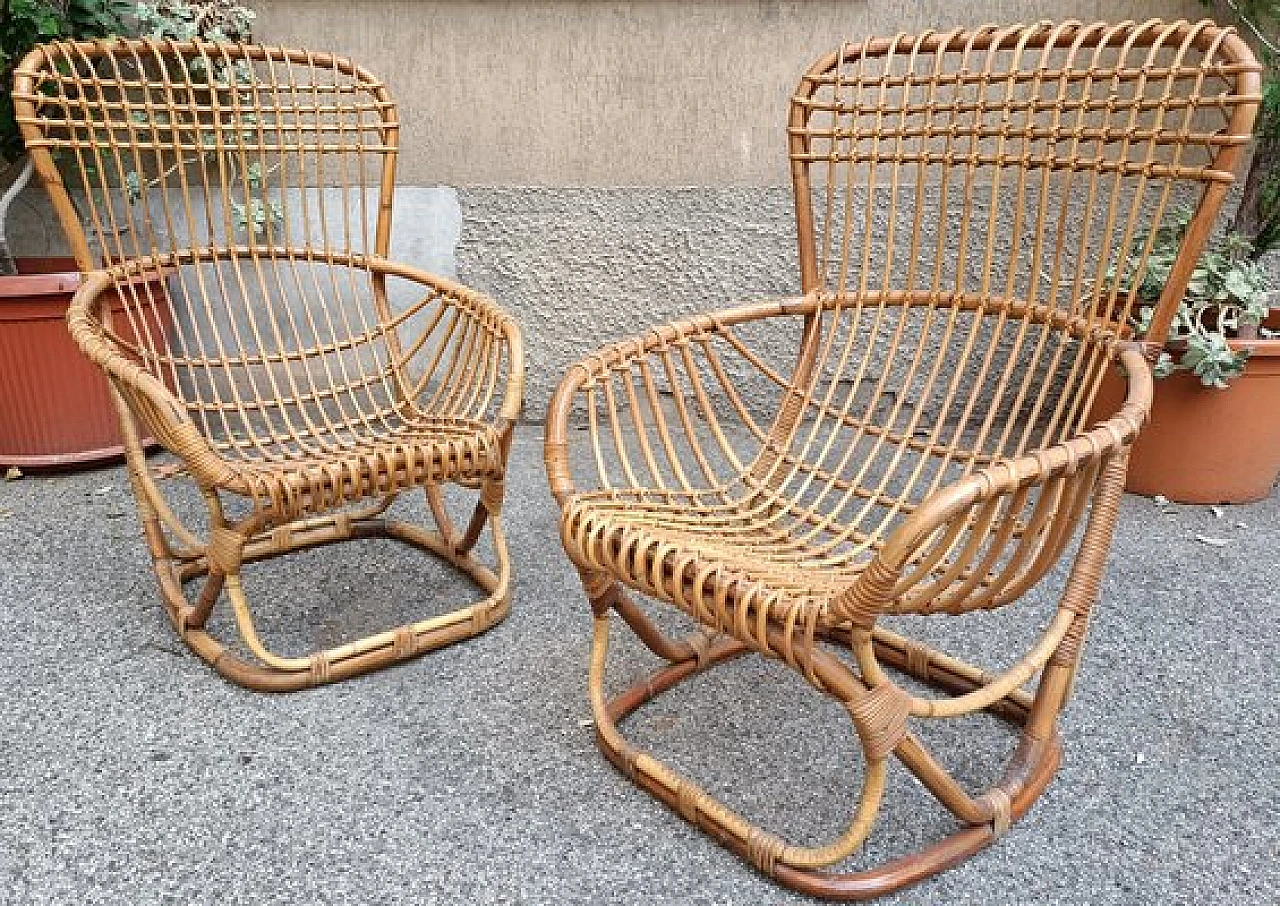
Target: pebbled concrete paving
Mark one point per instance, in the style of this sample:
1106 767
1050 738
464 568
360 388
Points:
130 773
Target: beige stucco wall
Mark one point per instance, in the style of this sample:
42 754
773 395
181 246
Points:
600 166
649 92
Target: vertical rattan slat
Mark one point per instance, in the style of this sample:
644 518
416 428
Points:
233 203
929 444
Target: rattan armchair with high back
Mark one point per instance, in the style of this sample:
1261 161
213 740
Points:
914 437
230 207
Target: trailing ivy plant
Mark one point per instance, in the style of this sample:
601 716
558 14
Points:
26 23
1226 297
212 20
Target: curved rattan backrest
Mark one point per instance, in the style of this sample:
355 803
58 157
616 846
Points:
963 200
240 195
1016 162
204 147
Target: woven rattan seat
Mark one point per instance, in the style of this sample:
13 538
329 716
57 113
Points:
230 207
422 451
918 434
738 543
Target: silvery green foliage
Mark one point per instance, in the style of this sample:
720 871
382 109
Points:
218 21
256 215
211 20
26 23
1227 290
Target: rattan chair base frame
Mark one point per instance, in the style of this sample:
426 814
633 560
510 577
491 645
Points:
983 817
1028 774
178 565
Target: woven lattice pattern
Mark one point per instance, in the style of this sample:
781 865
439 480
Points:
930 441
232 207
962 200
257 184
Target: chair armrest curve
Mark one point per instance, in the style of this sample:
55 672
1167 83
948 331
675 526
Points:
942 516
478 305
654 347
148 397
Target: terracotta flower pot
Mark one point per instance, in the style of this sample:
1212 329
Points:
1204 445
55 407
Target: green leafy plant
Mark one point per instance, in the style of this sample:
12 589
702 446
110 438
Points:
26 23
1258 216
213 21
1226 297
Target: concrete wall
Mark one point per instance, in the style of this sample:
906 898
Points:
616 164
647 92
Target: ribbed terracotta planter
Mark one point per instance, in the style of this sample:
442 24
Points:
55 407
1204 445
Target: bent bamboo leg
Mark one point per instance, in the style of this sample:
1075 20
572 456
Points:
765 850
154 511
605 593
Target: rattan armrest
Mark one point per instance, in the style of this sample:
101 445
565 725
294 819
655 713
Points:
503 328
90 336
155 404
934 532
658 351
167 418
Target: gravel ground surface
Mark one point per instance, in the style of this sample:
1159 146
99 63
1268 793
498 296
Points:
131 773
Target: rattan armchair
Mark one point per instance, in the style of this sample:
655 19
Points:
231 211
916 434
